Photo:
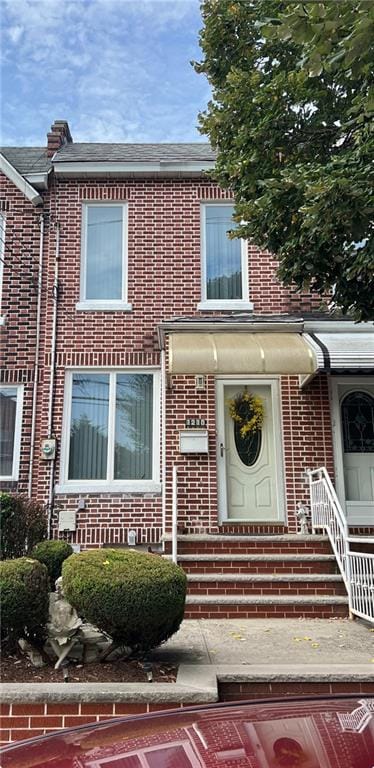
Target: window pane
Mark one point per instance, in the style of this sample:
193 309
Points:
89 427
358 423
168 757
223 256
8 410
134 416
104 252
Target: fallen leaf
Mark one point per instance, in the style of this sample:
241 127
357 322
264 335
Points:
307 638
315 645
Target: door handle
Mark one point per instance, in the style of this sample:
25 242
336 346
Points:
222 449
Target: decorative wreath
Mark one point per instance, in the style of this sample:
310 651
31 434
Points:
248 411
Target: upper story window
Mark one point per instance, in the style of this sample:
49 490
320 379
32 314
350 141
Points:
10 430
224 261
104 257
111 431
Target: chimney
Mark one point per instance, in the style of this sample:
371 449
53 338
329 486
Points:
58 136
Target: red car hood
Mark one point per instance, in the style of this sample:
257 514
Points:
307 733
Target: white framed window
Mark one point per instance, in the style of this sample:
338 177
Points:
111 431
11 401
180 753
224 261
104 256
2 252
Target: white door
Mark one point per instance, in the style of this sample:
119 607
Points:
247 468
356 405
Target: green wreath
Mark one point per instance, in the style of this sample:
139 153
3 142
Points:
248 411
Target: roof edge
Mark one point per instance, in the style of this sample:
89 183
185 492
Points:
19 181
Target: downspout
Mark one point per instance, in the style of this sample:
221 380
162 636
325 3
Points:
163 441
52 375
37 348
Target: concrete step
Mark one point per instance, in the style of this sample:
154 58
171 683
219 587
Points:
265 606
236 544
257 563
265 584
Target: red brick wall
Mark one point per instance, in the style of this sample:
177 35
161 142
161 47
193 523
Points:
163 282
18 305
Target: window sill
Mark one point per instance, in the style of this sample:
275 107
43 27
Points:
235 304
131 486
103 306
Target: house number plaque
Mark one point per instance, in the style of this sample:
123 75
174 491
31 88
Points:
195 422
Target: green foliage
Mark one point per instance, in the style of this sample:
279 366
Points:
24 591
22 524
52 553
138 599
291 117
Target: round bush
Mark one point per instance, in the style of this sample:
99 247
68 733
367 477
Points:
52 554
24 588
138 599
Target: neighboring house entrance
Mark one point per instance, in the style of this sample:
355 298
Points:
247 468
354 447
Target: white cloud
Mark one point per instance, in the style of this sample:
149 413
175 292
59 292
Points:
116 69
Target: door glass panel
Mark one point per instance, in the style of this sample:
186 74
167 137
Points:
358 423
248 447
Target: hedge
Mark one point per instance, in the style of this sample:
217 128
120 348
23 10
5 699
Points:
52 554
138 599
24 588
23 522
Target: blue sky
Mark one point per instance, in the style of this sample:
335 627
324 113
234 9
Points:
117 70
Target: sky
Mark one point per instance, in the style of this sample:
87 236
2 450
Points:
116 70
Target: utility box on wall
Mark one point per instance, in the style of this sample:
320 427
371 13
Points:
67 520
193 441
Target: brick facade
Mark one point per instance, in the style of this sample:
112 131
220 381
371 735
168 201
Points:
164 279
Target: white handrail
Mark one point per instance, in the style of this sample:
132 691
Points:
174 522
357 568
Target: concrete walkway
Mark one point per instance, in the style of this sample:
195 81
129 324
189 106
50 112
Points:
270 641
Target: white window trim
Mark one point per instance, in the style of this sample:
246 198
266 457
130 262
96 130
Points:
110 486
142 753
17 432
206 303
104 304
2 252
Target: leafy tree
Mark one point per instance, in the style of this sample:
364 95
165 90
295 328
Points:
291 118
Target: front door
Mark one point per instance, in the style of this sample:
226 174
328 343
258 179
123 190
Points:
247 466
356 417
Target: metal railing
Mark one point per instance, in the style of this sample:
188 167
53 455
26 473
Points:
174 521
357 568
356 721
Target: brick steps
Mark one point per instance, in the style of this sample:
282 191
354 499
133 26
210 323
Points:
263 584
217 544
262 563
267 576
264 606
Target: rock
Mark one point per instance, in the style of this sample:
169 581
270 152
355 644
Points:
32 653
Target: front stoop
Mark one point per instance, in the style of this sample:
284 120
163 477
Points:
274 576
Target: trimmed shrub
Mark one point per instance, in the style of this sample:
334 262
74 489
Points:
138 599
52 554
23 523
24 591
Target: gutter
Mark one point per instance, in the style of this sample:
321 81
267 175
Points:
52 376
162 168
36 366
19 181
